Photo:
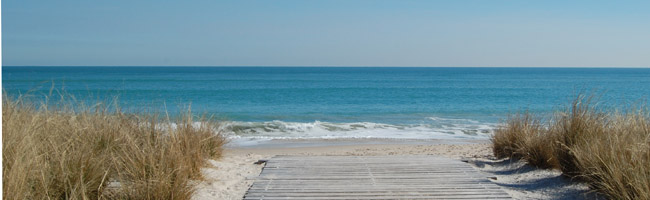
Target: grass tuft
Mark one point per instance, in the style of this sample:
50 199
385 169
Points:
72 151
609 151
521 137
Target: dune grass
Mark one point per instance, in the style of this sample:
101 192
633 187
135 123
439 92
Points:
71 151
523 137
609 151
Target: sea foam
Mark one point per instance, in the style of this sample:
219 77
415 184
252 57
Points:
436 128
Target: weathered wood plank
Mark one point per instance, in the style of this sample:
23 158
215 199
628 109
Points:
386 197
392 193
371 177
380 188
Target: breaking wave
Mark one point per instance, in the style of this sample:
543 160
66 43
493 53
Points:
433 128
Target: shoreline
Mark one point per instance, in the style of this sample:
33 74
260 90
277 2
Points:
231 176
244 143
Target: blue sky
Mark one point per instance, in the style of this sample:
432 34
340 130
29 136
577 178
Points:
326 33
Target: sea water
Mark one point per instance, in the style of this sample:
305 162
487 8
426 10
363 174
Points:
339 102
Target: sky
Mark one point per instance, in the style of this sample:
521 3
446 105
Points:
482 33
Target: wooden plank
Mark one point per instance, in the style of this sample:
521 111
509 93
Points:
371 177
392 193
381 188
378 187
385 197
376 192
339 177
327 182
465 194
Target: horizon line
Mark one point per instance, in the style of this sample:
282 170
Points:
333 66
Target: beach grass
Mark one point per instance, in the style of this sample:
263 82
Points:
72 151
608 150
523 137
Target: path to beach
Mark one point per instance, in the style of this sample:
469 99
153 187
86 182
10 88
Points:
371 177
233 175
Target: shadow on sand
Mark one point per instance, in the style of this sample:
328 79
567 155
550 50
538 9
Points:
515 176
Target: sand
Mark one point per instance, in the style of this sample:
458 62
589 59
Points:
232 175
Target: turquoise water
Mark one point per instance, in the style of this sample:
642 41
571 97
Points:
324 102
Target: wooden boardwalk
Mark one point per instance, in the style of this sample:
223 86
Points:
371 177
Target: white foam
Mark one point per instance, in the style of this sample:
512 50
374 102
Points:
438 128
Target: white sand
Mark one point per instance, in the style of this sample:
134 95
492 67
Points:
233 174
522 181
230 177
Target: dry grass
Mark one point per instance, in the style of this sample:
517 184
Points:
582 120
70 151
522 137
617 161
609 151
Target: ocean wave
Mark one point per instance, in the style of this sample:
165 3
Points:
435 128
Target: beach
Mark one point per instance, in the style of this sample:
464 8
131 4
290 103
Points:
202 100
230 176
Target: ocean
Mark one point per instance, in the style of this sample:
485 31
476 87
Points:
261 103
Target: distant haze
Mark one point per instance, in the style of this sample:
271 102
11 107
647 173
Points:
326 33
